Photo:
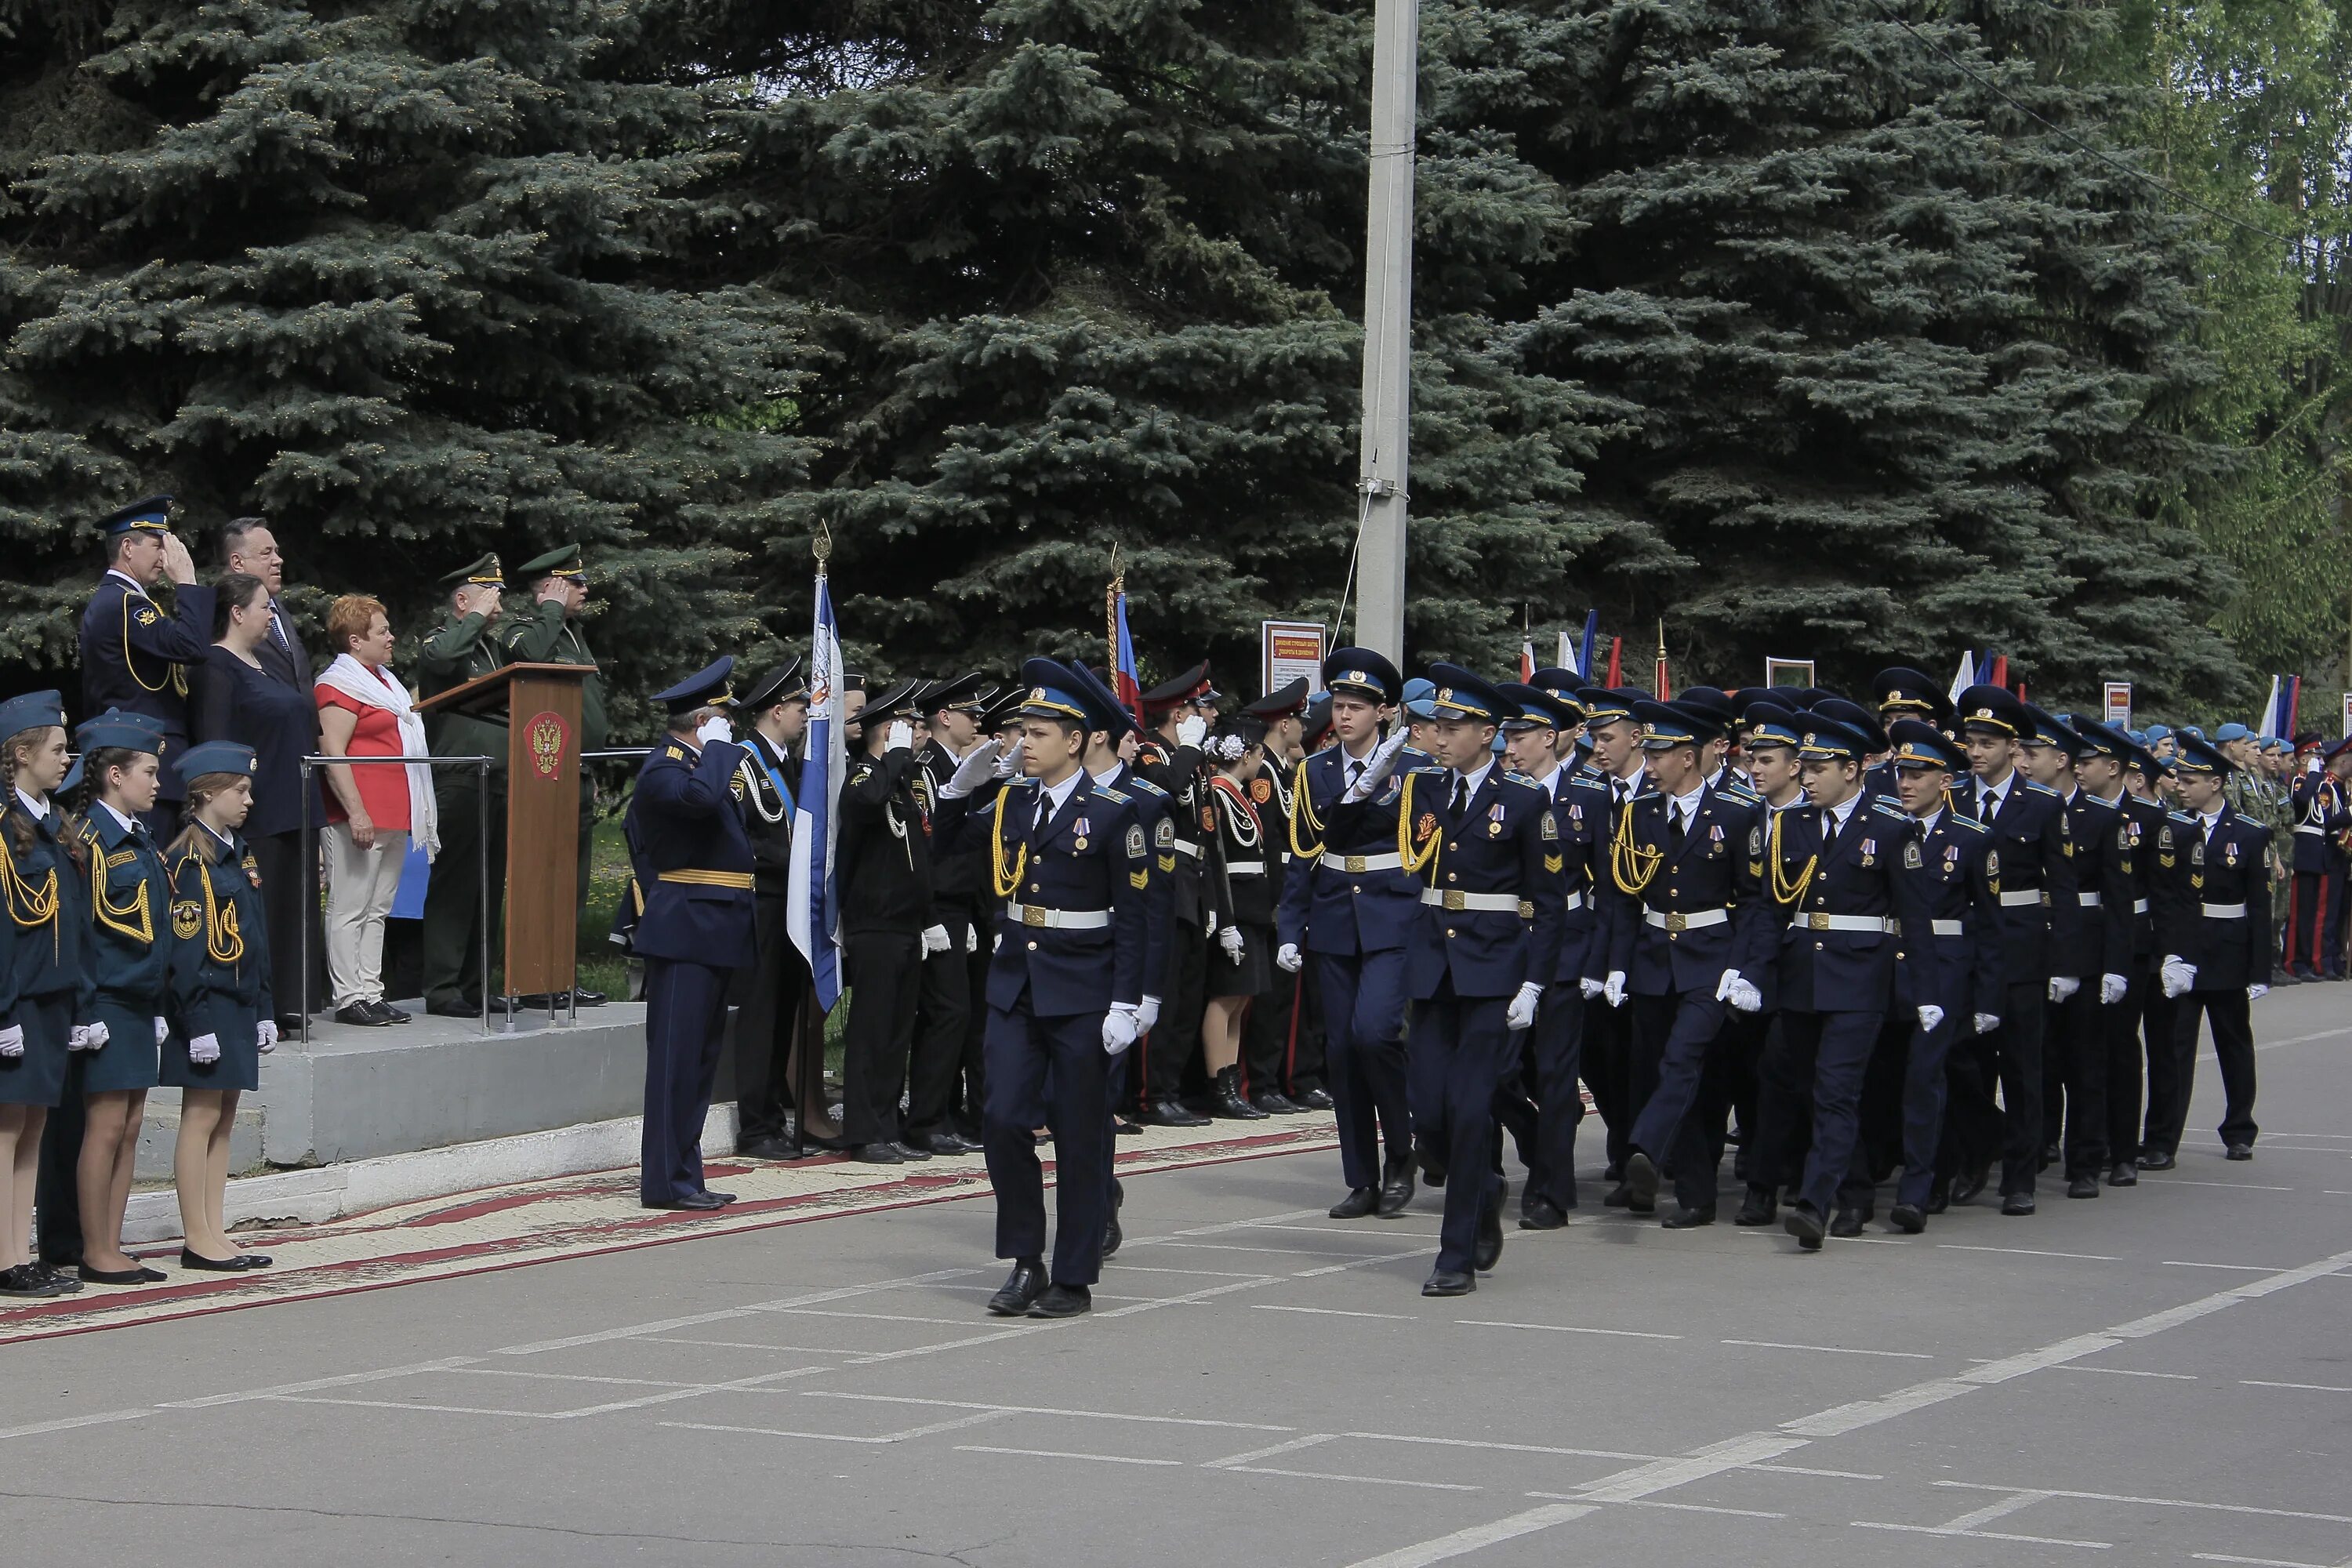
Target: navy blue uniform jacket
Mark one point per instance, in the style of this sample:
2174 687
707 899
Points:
1580 806
134 657
692 857
1944 881
1504 845
1824 971
1720 867
1326 906
2230 872
2034 878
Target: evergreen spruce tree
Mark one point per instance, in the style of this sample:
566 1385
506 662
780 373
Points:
381 273
1898 361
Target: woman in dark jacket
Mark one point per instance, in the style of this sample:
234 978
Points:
1241 951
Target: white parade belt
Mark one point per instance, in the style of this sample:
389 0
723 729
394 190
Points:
2139 906
2089 899
1492 903
1037 917
1945 928
1186 847
1245 867
1878 925
2223 911
1678 919
2311 827
2020 899
1353 863
1576 901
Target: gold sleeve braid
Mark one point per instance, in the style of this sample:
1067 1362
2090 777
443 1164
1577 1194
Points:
1631 866
1303 808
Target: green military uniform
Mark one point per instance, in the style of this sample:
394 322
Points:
465 648
544 632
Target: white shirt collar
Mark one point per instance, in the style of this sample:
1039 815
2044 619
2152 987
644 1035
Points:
1927 823
1686 806
128 581
1107 778
1845 811
1473 780
1060 794
1998 793
128 822
1549 775
2213 816
222 838
1715 779
35 807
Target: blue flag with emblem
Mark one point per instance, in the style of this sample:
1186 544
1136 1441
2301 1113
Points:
812 905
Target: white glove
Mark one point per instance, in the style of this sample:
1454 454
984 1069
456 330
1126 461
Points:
1745 998
971 939
85 1037
1287 958
1377 768
1192 731
2062 986
976 766
1987 1023
1008 761
2176 976
715 728
1119 1027
205 1048
1613 989
163 1031
2113 988
2256 992
268 1031
1208 923
1723 986
1591 988
936 940
12 1040
1147 1014
1230 939
899 737
1931 1018
1522 1010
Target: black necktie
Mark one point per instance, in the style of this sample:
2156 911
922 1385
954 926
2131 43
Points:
1355 772
1461 797
1044 815
1679 829
1829 833
1988 804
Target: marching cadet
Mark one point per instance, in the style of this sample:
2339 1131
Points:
2220 962
1776 776
1568 734
772 993
2075 1047
219 964
1270 1026
1486 850
134 657
2147 779
1614 737
465 647
1242 892
952 980
2130 918
2337 885
694 893
1171 758
1904 692
1306 1080
45 974
1685 929
1830 867
1065 984
1351 913
1580 809
888 929
2317 816
548 632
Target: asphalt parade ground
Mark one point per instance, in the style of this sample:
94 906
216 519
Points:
2162 1375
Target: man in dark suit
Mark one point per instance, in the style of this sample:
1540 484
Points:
248 545
694 877
772 992
135 657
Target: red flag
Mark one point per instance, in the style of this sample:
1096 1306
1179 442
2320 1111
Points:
1616 656
1527 662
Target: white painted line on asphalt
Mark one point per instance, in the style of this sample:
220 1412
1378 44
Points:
812 1299
2261 1562
2239 1267
1665 1475
2030 1252
870 1317
1462 1543
68 1423
1505 1447
745 1385
1313 1439
1042 1410
748 1345
1205 1273
2158 1501
1829 1475
1678 1507
1384 1232
1368 1480
1058 1454
958 1422
1981 1534
2307 1387
2234 1186
1563 1328
1830 1350
872 1358
312 1385
1098 1295
581 1377
2127 1372
428 1409
1282 1251
1332 1312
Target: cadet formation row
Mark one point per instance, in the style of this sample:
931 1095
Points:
1964 942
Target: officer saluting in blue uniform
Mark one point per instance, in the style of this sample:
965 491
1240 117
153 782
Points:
694 926
134 657
1073 859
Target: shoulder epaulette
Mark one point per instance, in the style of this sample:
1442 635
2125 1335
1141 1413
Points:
1969 822
1142 785
2042 789
674 752
1103 791
1582 779
1885 808
1737 791
1517 777
2185 819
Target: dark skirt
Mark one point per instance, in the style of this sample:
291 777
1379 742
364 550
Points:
1248 977
239 1066
38 1077
126 1060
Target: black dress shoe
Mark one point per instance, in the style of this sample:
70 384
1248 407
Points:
697 1201
137 1276
1112 1234
769 1147
910 1152
1640 1183
1396 1187
1760 1206
27 1282
1171 1113
946 1144
290 1025
2155 1160
62 1279
1312 1098
2017 1205
2239 1151
1971 1182
1020 1290
389 1014
1432 1169
1062 1301
1848 1223
363 1014
2083 1186
1120 1127
1688 1219
437 1010
1275 1104
2049 1155
1805 1226
1939 1195
583 997
1617 1197
2122 1174
1359 1203
885 1153
1907 1219
1487 1250
1445 1282
198 1261
1541 1214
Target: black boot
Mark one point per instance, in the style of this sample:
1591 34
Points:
1230 1102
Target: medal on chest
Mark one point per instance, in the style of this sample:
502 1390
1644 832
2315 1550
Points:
1869 851
1078 831
2230 853
1494 820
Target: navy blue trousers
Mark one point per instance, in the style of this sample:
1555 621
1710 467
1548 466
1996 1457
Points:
1461 1051
1054 1071
1819 1059
1975 1127
1558 1038
1672 1036
1925 1085
686 1025
1364 1056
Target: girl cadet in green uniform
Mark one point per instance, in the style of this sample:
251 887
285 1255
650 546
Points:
44 979
130 897
220 993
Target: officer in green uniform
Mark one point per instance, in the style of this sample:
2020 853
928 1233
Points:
548 632
465 648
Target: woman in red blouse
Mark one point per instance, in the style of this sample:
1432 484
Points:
370 811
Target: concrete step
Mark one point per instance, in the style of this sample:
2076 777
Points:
159 1135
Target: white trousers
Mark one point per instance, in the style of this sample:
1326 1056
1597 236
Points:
360 885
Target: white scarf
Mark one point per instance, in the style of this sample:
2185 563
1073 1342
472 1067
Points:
356 681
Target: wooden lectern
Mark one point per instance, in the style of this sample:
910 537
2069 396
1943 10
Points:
539 704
